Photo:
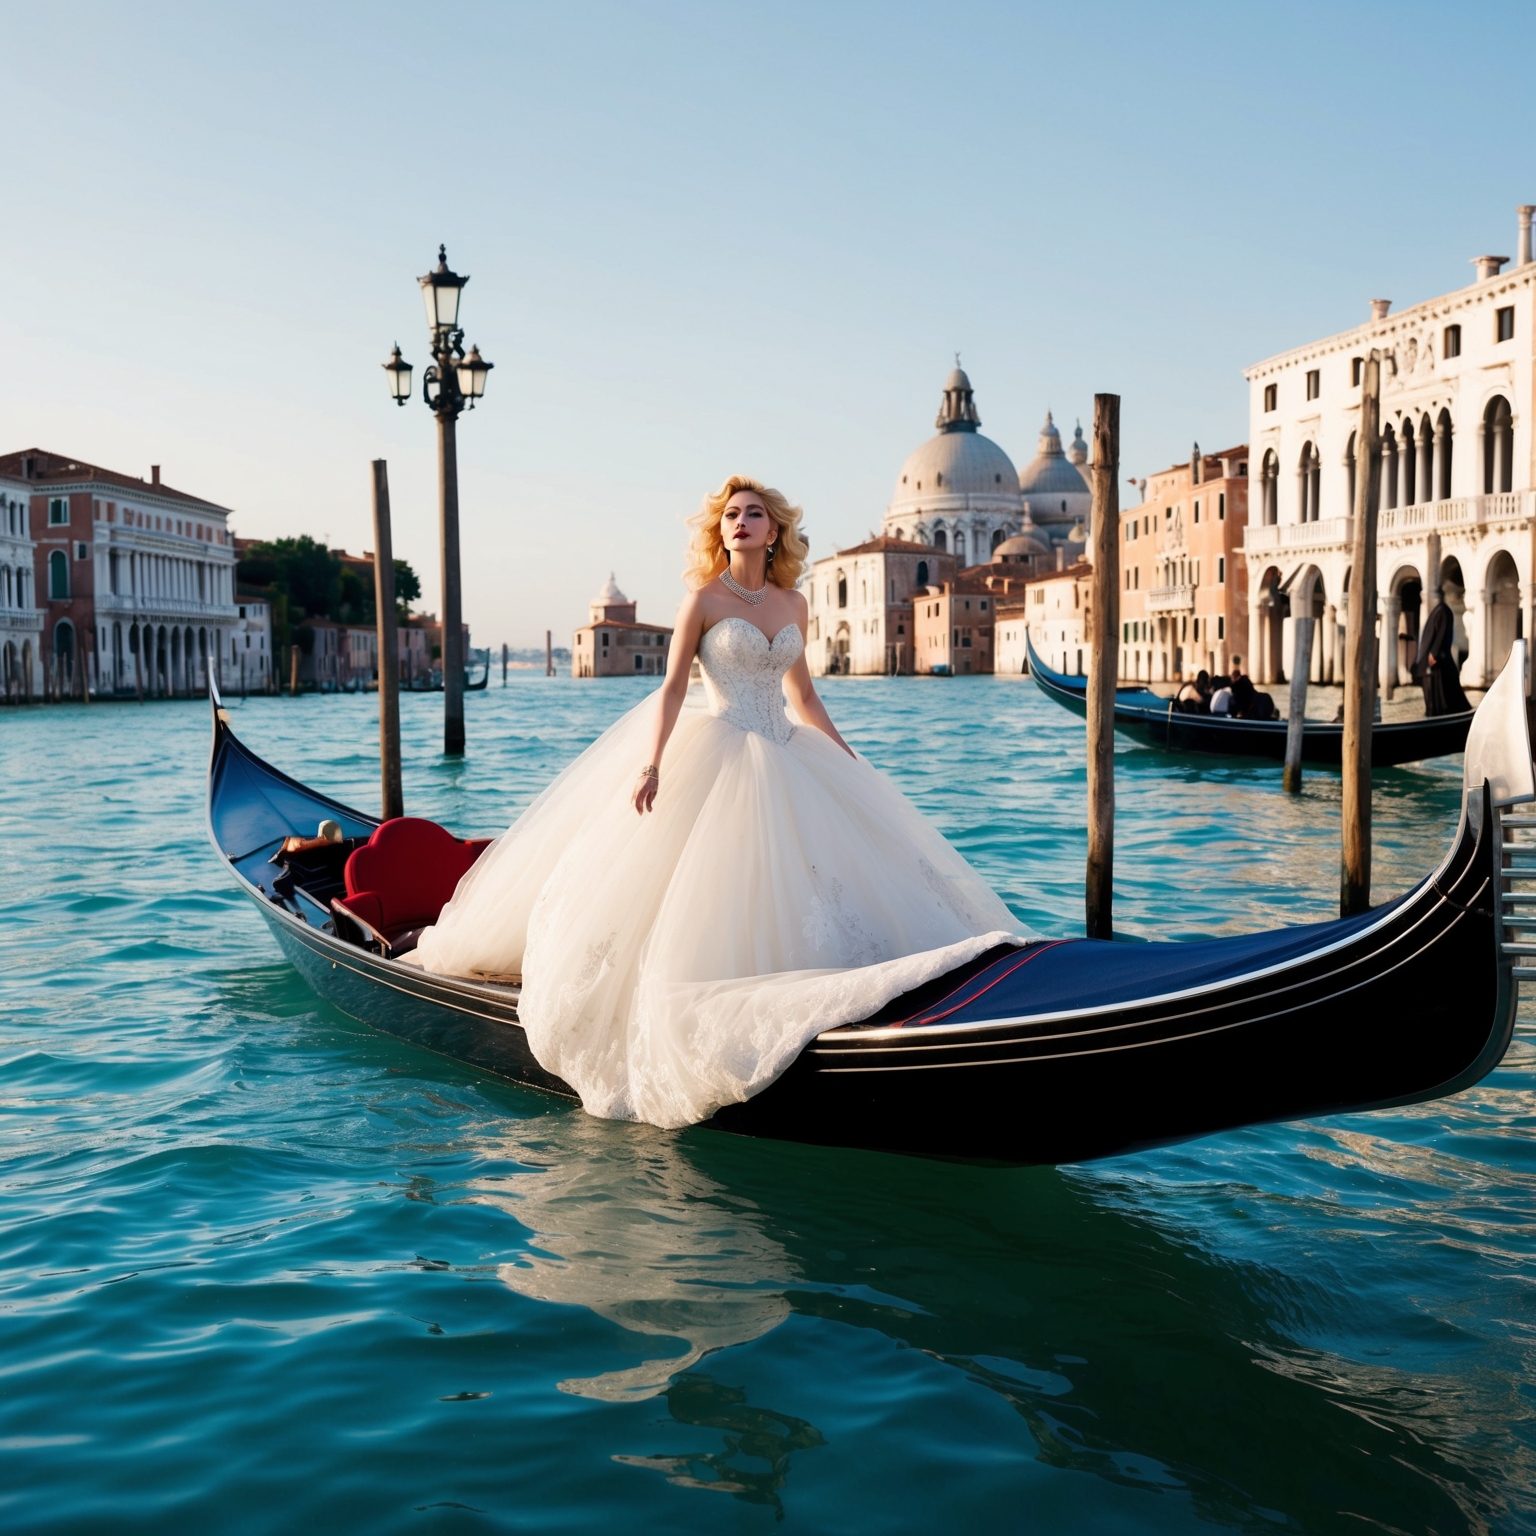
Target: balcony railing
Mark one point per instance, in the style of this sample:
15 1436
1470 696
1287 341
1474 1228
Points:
1327 534
1170 599
1391 523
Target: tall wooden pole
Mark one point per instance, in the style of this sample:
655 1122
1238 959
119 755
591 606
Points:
503 663
549 653
1104 634
389 646
1360 651
453 595
1301 672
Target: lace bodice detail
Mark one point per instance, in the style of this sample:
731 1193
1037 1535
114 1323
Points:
745 673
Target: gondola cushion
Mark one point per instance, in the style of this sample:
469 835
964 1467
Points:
402 877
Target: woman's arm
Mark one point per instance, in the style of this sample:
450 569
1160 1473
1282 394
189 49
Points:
803 696
670 696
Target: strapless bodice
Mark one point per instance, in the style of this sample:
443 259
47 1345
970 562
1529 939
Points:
745 673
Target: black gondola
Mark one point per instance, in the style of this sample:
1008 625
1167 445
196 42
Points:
1045 1053
471 683
1146 717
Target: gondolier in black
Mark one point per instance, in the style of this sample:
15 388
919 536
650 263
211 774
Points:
1437 665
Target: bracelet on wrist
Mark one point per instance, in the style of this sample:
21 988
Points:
650 771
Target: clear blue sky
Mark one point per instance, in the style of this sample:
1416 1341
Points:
705 238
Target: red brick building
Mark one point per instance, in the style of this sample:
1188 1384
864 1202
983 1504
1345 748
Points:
135 580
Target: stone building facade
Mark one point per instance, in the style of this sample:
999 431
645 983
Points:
859 602
1455 521
1184 594
135 580
1054 613
613 643
21 620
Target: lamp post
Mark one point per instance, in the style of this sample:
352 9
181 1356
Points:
453 382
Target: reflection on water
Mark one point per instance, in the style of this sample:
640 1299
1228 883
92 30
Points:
629 1228
751 1435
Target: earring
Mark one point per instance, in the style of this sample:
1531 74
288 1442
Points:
771 549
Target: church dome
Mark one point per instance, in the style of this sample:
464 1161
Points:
610 593
1021 547
959 461
1077 453
1054 488
956 464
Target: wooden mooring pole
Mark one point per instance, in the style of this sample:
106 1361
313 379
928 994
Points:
549 653
1104 654
1360 651
391 794
504 653
1301 672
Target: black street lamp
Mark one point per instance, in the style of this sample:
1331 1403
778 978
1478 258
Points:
452 383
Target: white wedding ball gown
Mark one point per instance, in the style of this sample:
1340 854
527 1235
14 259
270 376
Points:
675 962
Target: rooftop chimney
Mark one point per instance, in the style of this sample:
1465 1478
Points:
1194 464
1524 247
1380 308
1488 266
154 474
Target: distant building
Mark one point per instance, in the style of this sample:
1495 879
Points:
1056 493
959 492
1184 589
1010 621
859 603
1057 607
21 621
954 622
135 579
250 665
614 644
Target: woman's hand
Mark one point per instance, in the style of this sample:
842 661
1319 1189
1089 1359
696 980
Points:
644 797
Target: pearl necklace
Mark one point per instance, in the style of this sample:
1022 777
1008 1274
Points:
747 597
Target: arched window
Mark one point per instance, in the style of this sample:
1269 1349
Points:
960 545
1269 485
1349 473
1498 447
940 539
1410 467
842 590
997 537
1443 435
1388 494
1309 482
922 573
58 575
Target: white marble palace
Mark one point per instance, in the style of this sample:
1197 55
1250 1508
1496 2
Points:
1457 485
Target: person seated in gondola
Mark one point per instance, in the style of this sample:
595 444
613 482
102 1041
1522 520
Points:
1221 698
1436 665
1195 698
1247 702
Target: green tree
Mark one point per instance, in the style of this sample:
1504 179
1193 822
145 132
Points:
304 573
407 588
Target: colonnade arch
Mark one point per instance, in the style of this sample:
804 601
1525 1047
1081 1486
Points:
1501 618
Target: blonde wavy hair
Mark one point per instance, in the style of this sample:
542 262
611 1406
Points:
706 549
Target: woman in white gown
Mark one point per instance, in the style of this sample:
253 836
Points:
772 885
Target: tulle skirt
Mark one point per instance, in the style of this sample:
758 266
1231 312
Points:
675 962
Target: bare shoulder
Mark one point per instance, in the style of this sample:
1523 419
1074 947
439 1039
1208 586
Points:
691 607
798 605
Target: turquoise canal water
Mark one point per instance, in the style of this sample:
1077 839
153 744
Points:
262 1269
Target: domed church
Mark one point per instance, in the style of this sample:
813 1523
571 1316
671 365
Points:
959 492
1055 488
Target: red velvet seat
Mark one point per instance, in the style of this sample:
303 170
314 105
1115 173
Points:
402 877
